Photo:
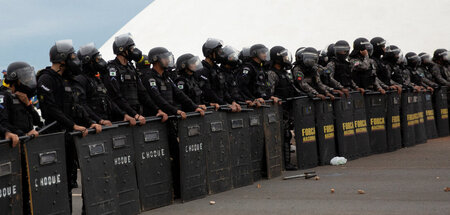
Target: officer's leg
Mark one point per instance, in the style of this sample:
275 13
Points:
287 124
174 150
72 166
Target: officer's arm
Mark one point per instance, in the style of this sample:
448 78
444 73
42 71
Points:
436 72
244 84
210 95
113 88
47 100
182 98
322 87
144 97
157 97
81 87
299 79
384 86
35 115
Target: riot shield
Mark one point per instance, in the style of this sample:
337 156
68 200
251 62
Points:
305 133
408 119
325 130
124 168
393 130
257 143
360 119
441 111
240 146
217 146
272 140
153 167
345 127
376 113
46 162
192 143
10 179
430 122
97 173
419 128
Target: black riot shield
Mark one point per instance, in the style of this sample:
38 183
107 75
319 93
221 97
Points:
46 162
441 111
393 130
124 168
305 133
218 164
325 130
240 146
419 128
376 113
10 180
345 129
256 129
97 173
360 122
430 122
408 119
153 168
192 143
272 139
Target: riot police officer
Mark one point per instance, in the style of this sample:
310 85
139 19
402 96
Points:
212 49
424 70
229 65
339 67
94 96
441 73
162 88
189 80
383 73
413 62
363 71
254 81
283 85
58 101
306 74
392 58
124 86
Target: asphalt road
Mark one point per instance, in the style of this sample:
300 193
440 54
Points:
407 181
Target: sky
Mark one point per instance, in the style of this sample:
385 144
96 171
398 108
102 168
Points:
29 28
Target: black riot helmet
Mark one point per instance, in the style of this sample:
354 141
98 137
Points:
359 44
229 56
341 50
144 63
379 46
330 51
298 55
392 54
188 62
212 48
413 60
124 45
244 55
441 55
161 55
22 76
63 51
309 57
370 50
260 51
280 55
425 58
91 58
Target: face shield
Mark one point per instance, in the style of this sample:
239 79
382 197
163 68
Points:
27 77
166 60
286 57
414 61
445 56
365 45
426 59
263 54
63 47
122 40
310 58
194 64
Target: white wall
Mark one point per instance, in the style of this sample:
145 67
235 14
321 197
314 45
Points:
184 25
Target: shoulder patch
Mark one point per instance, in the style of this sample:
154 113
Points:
245 70
45 88
152 82
112 72
180 86
299 76
203 77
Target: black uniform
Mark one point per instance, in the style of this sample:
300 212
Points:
219 93
403 77
17 117
254 81
95 99
327 78
441 75
165 93
191 86
125 88
424 71
232 77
